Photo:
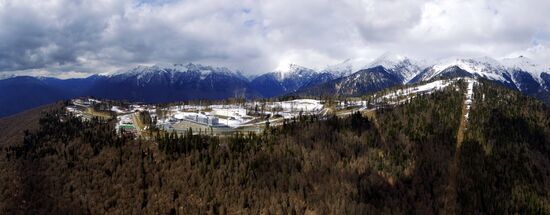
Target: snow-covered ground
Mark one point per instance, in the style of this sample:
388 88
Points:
426 88
305 105
483 67
229 111
117 109
232 117
180 115
236 115
469 96
74 110
125 119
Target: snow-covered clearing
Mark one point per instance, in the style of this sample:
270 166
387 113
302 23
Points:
426 88
117 109
307 105
469 97
229 111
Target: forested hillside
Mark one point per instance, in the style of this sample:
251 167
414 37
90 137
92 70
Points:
505 164
393 160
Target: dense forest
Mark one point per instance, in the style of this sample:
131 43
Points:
394 160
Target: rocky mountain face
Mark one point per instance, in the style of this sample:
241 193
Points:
401 67
384 72
359 83
294 78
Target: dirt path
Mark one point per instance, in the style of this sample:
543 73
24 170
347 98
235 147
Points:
137 123
451 193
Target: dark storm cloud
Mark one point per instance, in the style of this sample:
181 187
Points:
74 37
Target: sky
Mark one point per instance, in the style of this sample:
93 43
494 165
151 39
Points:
76 38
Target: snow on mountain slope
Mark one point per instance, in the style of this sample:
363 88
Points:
519 73
424 88
365 81
481 67
175 82
288 79
293 71
387 60
525 64
340 70
294 76
146 73
398 65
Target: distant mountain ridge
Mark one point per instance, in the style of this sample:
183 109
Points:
156 84
294 78
173 83
359 83
515 73
179 82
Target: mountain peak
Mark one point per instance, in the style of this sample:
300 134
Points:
526 64
344 68
388 60
398 65
160 68
292 69
521 62
482 66
145 74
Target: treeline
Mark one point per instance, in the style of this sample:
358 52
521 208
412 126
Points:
60 127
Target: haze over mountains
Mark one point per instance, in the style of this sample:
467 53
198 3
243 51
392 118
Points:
180 82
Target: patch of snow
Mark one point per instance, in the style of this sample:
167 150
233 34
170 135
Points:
285 71
527 65
426 88
297 105
484 67
469 97
387 60
399 65
342 69
229 111
116 109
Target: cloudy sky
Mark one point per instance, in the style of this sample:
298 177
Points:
71 38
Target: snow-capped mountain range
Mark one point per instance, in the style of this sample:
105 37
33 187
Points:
392 70
518 73
179 82
145 74
293 77
402 67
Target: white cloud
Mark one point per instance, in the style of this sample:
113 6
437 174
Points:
257 36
